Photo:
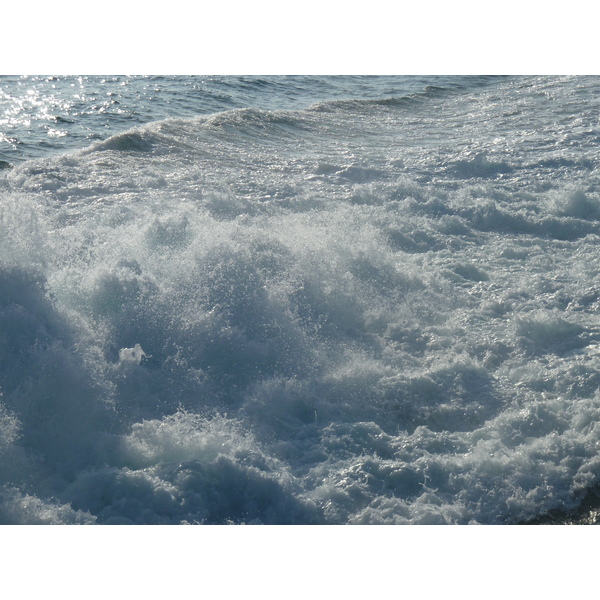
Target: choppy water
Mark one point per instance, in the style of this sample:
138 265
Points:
298 299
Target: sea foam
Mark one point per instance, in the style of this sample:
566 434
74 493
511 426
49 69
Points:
313 316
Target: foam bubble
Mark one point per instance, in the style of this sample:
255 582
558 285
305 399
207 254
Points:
132 355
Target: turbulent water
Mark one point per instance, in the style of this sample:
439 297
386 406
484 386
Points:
298 300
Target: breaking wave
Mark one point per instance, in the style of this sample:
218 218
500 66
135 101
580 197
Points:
328 315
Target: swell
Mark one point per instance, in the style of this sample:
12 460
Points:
247 124
413 100
360 106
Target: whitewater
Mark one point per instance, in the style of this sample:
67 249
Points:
299 300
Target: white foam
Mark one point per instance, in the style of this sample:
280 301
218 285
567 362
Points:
132 355
323 316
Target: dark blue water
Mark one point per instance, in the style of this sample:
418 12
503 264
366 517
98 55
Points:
40 116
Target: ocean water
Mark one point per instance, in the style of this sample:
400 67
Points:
298 300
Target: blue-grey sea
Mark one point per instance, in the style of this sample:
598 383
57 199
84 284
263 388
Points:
299 299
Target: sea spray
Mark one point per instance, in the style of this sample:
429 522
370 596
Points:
380 310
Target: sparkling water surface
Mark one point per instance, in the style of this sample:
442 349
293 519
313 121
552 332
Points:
41 115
